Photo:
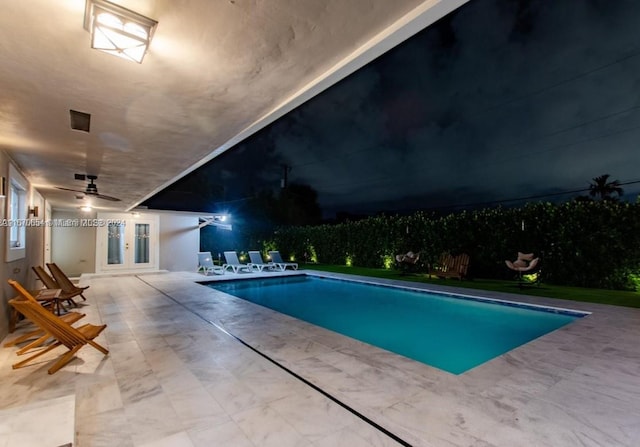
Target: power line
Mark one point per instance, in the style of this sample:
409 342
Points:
519 199
539 137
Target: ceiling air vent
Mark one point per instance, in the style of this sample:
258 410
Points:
80 120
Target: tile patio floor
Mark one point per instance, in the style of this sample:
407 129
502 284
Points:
175 378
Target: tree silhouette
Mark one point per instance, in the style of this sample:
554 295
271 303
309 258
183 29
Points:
605 189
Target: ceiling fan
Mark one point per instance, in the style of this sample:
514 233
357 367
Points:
92 188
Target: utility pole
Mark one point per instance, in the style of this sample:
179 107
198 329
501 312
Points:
284 181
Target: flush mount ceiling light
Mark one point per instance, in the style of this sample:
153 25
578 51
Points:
117 30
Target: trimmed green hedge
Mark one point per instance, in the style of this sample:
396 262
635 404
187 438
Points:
582 243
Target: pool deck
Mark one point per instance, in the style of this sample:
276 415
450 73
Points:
191 366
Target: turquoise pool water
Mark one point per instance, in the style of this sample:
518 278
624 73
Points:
450 333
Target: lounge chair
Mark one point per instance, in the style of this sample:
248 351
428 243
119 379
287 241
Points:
257 261
525 263
65 283
233 263
408 258
206 265
64 334
449 266
52 284
278 263
42 298
407 262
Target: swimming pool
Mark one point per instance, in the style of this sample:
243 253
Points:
448 332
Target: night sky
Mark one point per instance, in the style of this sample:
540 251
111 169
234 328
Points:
503 99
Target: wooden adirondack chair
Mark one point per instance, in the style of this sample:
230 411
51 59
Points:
52 284
449 266
65 283
64 334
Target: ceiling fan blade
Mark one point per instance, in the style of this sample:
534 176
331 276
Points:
69 189
102 196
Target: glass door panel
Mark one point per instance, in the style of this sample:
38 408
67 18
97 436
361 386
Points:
115 244
141 243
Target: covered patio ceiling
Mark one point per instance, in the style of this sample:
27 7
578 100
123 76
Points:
215 73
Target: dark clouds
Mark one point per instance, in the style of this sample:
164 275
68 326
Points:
501 99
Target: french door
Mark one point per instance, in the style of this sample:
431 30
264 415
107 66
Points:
127 243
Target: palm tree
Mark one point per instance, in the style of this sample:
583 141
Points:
603 188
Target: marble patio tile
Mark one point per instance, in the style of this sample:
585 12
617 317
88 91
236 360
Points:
612 384
273 384
233 395
151 419
39 423
227 434
208 372
151 342
139 386
431 419
266 428
558 362
292 352
178 381
518 389
565 423
197 409
367 397
500 434
98 396
320 418
125 352
180 439
357 434
106 429
241 363
319 372
622 349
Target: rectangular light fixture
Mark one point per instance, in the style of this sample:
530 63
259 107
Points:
117 30
32 211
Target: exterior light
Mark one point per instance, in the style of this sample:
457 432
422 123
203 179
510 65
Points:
117 30
85 208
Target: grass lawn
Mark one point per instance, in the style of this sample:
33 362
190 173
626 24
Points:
603 296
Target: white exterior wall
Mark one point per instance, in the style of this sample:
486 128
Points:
20 268
179 242
73 248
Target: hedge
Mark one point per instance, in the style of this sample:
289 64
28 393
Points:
581 243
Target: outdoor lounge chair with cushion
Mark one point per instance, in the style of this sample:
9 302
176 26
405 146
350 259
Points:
64 334
277 262
407 262
206 265
408 258
64 282
233 263
525 263
257 262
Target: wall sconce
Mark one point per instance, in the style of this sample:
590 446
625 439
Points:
117 30
32 211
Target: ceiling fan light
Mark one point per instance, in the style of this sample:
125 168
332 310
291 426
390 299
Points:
117 30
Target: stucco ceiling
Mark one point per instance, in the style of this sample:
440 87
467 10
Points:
216 72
